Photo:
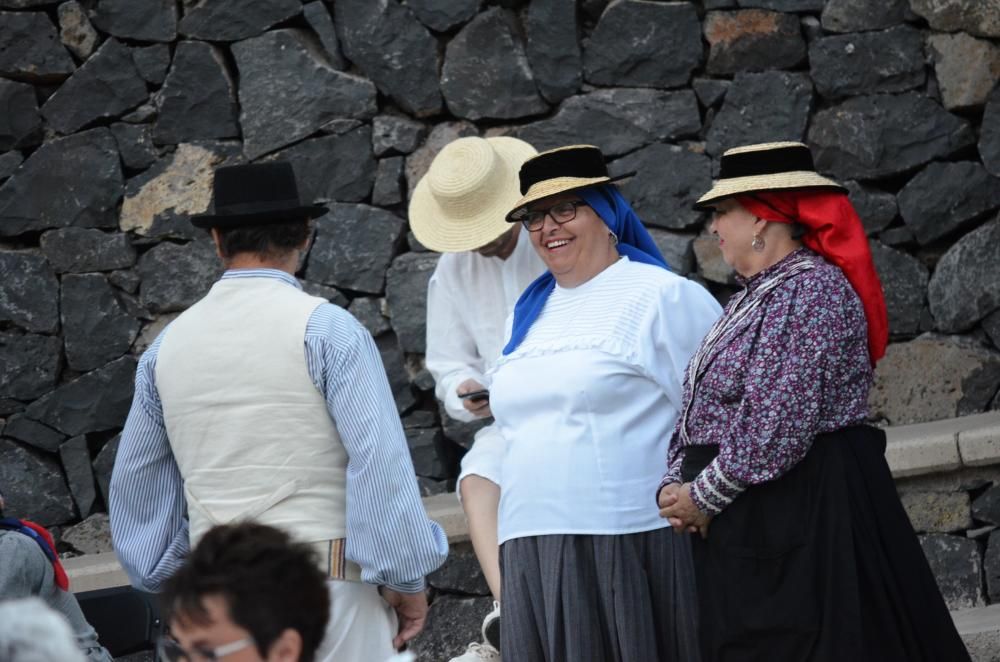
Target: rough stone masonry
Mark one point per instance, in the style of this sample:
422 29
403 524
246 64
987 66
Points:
115 112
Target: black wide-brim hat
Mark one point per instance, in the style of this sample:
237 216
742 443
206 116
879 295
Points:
560 170
255 194
778 166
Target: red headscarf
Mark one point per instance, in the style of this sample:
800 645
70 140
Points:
833 230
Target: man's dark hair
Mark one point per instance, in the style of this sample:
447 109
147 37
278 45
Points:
269 584
271 240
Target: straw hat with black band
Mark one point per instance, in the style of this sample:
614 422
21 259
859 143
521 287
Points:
777 166
255 194
560 170
459 205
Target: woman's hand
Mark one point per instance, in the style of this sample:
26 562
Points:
677 507
477 407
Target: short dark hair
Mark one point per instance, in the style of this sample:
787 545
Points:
270 240
269 584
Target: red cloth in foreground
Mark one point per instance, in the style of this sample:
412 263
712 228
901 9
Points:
833 230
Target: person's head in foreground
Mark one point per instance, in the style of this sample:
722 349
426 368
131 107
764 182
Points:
247 593
769 202
459 205
30 631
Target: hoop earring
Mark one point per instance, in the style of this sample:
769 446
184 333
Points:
614 238
758 243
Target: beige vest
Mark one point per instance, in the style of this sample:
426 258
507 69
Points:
250 431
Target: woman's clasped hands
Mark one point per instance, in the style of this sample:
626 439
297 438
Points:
679 509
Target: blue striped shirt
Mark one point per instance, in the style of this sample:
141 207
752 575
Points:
388 532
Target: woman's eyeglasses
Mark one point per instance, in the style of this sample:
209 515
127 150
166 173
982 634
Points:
561 212
169 650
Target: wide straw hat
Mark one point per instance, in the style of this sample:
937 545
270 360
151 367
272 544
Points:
255 194
459 205
780 166
560 170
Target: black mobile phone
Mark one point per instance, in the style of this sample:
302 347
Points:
476 395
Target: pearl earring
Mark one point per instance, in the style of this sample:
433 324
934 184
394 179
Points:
758 243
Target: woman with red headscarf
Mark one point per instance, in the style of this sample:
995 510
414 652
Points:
803 552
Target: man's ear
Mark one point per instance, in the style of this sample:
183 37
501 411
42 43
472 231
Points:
286 648
217 239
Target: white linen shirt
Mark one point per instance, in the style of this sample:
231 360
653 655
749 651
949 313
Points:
469 297
587 402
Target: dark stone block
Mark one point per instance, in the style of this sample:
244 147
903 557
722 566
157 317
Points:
9 163
82 179
135 145
901 236
991 325
276 108
866 62
94 402
331 294
460 432
152 62
420 418
420 160
338 167
8 407
126 280
677 249
79 250
443 15
460 573
395 371
106 85
986 507
427 448
104 463
414 244
387 43
430 487
668 180
944 197
76 31
75 457
33 433
858 15
96 328
144 114
876 208
174 276
957 567
504 88
30 48
991 566
784 5
989 137
554 49
452 623
710 91
763 107
396 135
197 101
965 286
232 20
318 17
354 246
368 311
904 282
645 44
972 16
640 117
20 123
28 292
886 134
33 486
406 297
966 68
753 40
149 20
29 365
388 189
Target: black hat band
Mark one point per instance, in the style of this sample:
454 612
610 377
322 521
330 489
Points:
581 162
766 162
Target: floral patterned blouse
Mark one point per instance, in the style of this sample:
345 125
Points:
791 363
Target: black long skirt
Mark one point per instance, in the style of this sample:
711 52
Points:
820 565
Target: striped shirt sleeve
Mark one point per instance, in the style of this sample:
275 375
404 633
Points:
148 524
388 532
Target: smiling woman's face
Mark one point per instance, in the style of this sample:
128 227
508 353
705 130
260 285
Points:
735 227
577 250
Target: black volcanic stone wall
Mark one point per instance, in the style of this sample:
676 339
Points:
113 114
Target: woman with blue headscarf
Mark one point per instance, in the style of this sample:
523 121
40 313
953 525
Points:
586 394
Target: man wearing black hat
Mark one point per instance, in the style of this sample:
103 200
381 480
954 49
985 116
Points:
262 402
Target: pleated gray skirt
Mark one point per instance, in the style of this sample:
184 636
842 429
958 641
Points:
583 598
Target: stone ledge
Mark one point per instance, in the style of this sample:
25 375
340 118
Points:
980 630
912 450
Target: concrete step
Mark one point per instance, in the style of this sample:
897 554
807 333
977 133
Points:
980 629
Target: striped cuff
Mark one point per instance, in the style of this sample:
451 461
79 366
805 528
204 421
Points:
712 490
667 480
415 586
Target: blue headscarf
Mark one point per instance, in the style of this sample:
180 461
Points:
633 241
